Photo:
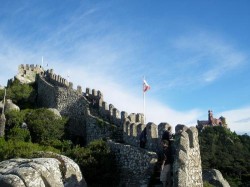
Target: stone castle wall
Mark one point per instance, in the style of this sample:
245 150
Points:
92 118
46 93
29 71
187 169
96 128
136 164
66 100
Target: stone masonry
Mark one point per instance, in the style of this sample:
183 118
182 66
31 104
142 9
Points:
91 118
187 169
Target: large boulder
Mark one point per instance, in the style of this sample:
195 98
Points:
59 171
56 112
9 105
214 177
26 79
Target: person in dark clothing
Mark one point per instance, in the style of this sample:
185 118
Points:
167 134
165 176
143 138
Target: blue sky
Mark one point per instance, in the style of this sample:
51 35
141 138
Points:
194 54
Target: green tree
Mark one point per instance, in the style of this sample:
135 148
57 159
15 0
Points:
44 125
21 94
19 134
13 118
20 149
225 150
97 163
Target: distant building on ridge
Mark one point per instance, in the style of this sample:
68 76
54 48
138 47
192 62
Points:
211 122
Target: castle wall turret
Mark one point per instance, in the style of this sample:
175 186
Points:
187 164
28 72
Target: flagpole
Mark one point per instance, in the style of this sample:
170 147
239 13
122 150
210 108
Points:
42 61
144 101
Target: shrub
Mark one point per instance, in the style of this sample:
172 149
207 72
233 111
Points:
19 134
14 118
21 94
19 149
207 184
44 125
97 163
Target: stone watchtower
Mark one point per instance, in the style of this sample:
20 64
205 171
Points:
210 117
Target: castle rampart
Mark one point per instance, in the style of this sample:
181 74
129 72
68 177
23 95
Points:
56 80
136 165
29 71
46 93
92 118
187 164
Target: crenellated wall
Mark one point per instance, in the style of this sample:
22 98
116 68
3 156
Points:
132 131
66 100
187 169
29 71
92 118
56 80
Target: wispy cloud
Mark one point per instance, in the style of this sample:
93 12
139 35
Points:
207 57
245 120
238 119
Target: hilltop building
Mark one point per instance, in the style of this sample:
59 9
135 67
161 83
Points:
211 122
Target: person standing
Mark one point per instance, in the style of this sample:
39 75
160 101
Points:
143 138
165 176
167 134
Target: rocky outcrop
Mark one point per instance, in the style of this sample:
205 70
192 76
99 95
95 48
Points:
56 112
214 177
59 171
25 80
9 105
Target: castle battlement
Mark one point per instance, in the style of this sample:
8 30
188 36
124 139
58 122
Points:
131 125
30 67
27 72
90 118
56 80
132 131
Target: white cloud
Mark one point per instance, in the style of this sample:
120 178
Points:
211 56
238 119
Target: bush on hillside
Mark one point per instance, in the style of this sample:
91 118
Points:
20 149
43 125
14 118
19 134
97 163
226 151
21 94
